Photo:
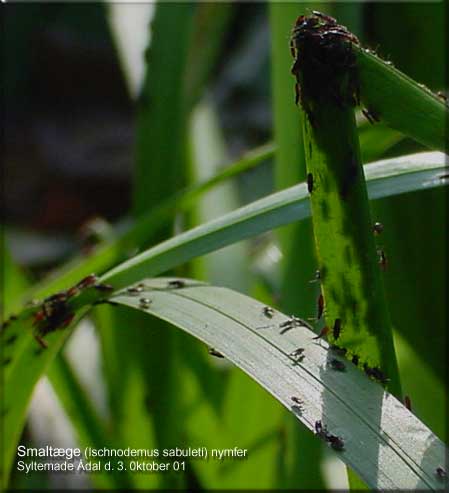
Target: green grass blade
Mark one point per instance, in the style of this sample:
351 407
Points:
353 301
212 21
401 102
419 171
383 442
162 111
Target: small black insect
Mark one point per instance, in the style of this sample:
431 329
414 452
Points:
408 402
383 261
134 290
320 307
320 430
297 355
176 284
355 360
214 352
337 365
376 374
297 400
378 228
104 288
371 116
144 303
336 442
441 473
309 182
291 323
337 328
268 311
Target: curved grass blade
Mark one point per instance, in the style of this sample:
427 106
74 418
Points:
401 102
382 441
24 362
424 170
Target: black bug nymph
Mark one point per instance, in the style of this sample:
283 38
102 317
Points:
336 442
214 352
297 355
441 473
376 374
268 311
383 261
378 228
336 329
320 306
320 430
371 116
309 182
144 303
298 402
176 284
291 323
134 290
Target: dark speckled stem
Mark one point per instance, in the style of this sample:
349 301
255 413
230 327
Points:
351 277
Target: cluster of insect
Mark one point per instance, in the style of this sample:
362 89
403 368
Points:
319 43
139 289
297 356
55 313
322 53
335 441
